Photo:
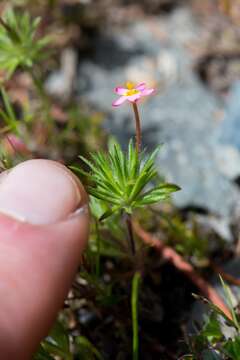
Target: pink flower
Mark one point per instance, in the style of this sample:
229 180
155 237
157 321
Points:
131 93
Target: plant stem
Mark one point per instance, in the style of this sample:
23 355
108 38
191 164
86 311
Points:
134 302
130 233
138 127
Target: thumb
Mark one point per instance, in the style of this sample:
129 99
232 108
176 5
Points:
43 230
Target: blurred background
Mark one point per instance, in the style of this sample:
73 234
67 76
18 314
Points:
56 102
189 51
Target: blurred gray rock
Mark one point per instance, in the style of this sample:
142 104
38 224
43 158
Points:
184 114
86 316
228 133
210 224
60 84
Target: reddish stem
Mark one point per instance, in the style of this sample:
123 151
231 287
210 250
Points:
11 144
177 260
228 277
138 127
130 233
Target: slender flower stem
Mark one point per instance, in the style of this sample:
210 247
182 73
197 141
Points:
130 233
138 149
138 127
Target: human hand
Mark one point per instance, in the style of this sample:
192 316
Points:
44 225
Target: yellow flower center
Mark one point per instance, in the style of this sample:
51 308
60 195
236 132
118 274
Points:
131 91
129 85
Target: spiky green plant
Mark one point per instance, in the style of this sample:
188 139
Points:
18 43
120 179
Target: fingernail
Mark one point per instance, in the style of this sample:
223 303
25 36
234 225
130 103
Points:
40 192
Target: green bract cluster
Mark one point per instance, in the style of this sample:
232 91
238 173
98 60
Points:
120 179
18 44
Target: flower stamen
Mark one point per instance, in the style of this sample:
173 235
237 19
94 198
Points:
129 85
131 92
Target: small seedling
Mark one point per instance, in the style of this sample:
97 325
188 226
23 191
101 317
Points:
19 46
124 181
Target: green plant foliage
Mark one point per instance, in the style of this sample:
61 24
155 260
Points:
232 348
185 237
212 330
8 116
120 179
229 297
220 336
42 354
18 43
56 344
86 350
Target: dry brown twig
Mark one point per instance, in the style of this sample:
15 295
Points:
177 260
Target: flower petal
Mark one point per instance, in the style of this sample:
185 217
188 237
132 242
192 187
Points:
133 98
120 90
147 92
141 87
119 101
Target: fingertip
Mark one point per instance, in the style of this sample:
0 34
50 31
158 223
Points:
40 192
